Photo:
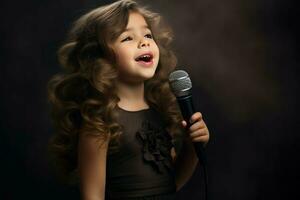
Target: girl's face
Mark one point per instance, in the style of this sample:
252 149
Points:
136 51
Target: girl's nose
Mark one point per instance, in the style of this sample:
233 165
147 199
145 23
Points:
144 43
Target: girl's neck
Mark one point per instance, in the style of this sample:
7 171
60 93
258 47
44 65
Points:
131 96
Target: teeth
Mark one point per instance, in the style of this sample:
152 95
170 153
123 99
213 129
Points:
143 57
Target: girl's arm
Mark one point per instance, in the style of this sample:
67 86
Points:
185 163
186 160
92 167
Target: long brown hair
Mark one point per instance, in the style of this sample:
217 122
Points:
83 96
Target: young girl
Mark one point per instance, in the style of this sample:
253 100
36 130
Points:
115 115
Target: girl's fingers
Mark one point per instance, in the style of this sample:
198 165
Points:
195 117
198 133
197 125
203 139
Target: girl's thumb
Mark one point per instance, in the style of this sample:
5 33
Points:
183 122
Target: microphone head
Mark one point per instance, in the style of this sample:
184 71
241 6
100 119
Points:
180 83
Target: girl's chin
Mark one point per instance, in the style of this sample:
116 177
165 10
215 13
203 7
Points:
145 77
140 78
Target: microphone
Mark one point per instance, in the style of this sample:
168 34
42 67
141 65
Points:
181 86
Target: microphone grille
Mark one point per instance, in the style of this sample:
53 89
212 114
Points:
180 83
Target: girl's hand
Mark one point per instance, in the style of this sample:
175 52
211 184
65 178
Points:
198 132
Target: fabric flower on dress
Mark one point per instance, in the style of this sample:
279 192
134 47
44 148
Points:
156 145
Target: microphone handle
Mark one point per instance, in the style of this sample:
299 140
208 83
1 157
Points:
187 110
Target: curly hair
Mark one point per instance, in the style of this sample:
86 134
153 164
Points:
83 97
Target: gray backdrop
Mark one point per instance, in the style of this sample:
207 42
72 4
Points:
241 56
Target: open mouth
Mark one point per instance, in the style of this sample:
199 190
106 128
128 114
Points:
145 58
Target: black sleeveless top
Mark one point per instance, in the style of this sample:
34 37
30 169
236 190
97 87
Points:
142 166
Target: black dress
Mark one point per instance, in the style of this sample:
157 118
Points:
142 168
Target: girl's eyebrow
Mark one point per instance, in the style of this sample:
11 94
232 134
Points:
142 27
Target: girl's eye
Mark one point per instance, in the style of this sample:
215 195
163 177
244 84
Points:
126 39
149 35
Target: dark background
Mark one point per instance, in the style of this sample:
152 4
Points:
242 59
